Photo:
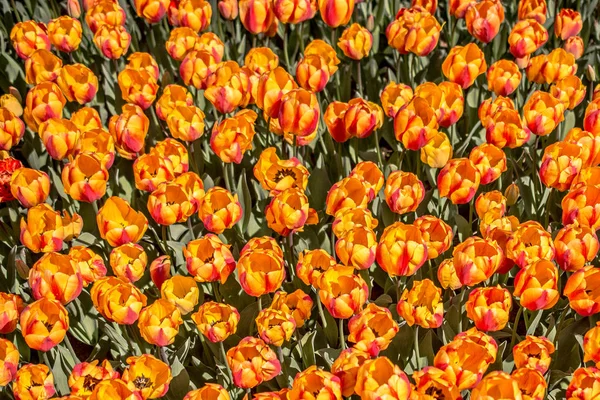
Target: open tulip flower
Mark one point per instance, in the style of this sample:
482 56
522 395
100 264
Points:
299 200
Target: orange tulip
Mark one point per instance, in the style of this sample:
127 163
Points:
86 375
533 352
552 67
275 326
422 305
567 23
476 259
401 250
57 277
276 175
504 76
357 247
490 161
78 83
137 87
526 37
170 203
346 366
117 300
355 42
148 376
42 66
433 381
129 261
584 383
483 19
459 180
260 271
312 264
438 151
90 264
497 383
30 186
299 112
59 137
252 362
65 33
294 11
256 15
43 102
216 321
437 235
272 86
195 14
85 178
229 87
9 361
492 204
34 381
197 68
151 10
87 119
219 210
403 192
209 390
101 13
347 194
575 246
574 45
379 378
416 125
447 276
583 291
569 90
29 36
297 304
561 163
228 9
44 229
129 130
530 242
114 389
342 292
536 9
11 306
413 30
336 12
233 136
12 129
464 64
505 129
112 41
119 223
208 259
160 270
44 324
489 307
394 97
159 323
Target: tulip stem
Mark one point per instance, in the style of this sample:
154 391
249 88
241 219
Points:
227 177
46 360
359 79
70 347
471 215
95 205
191 227
165 238
215 287
321 313
417 352
515 326
342 338
224 359
285 47
259 301
378 149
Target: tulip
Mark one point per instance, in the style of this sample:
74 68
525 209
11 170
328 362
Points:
129 130
584 383
575 245
464 64
583 291
173 152
346 366
65 33
137 87
107 13
86 375
44 324
552 67
447 276
9 361
591 120
212 43
403 192
437 235
294 11
503 77
186 123
170 204
312 264
29 36
349 193
119 223
55 276
272 86
591 349
401 250
490 161
355 42
438 151
459 180
90 264
159 323
416 125
297 304
172 97
489 307
30 186
575 46
229 87
349 219
181 41
33 381
78 83
117 300
262 243
422 305
533 352
451 106
43 230
530 242
505 129
432 380
567 23
160 270
208 259
371 176
483 19
86 119
536 9
112 41
59 137
195 14
216 321
379 378
289 211
299 112
260 271
476 259
526 37
12 129
275 326
561 163
197 68
336 12
499 384
491 204
490 107
128 262
357 118
357 247
147 375
233 136
394 97
312 73
219 210
114 389
413 30
152 170
85 178
252 362
570 91
209 390
11 306
257 16
42 66
276 175
151 10
342 292
467 357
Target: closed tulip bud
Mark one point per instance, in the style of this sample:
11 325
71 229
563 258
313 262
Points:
181 41
503 77
112 41
151 10
30 186
194 14
29 36
105 12
379 378
415 125
208 259
276 175
313 381
85 178
467 357
65 33
534 353
299 112
530 242
401 250
497 383
219 210
9 361
260 272
342 292
119 223
372 330
536 285
355 42
208 391
57 277
272 87
490 161
312 264
129 262
512 194
289 211
294 11
526 37
312 73
78 83
137 87
437 235
86 375
582 290
422 305
357 247
483 19
160 270
336 12
90 264
403 192
438 151
346 366
117 300
252 362
159 323
371 176
43 230
11 306
12 129
297 304
575 46
567 23
447 276
256 15
34 381
394 97
570 91
170 204
413 31
148 376
459 180
561 163
488 308
334 118
476 259
59 137
216 321
129 130
233 136
275 326
464 64
42 66
228 9
44 324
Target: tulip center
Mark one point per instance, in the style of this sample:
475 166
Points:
142 382
435 392
282 173
33 384
89 382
